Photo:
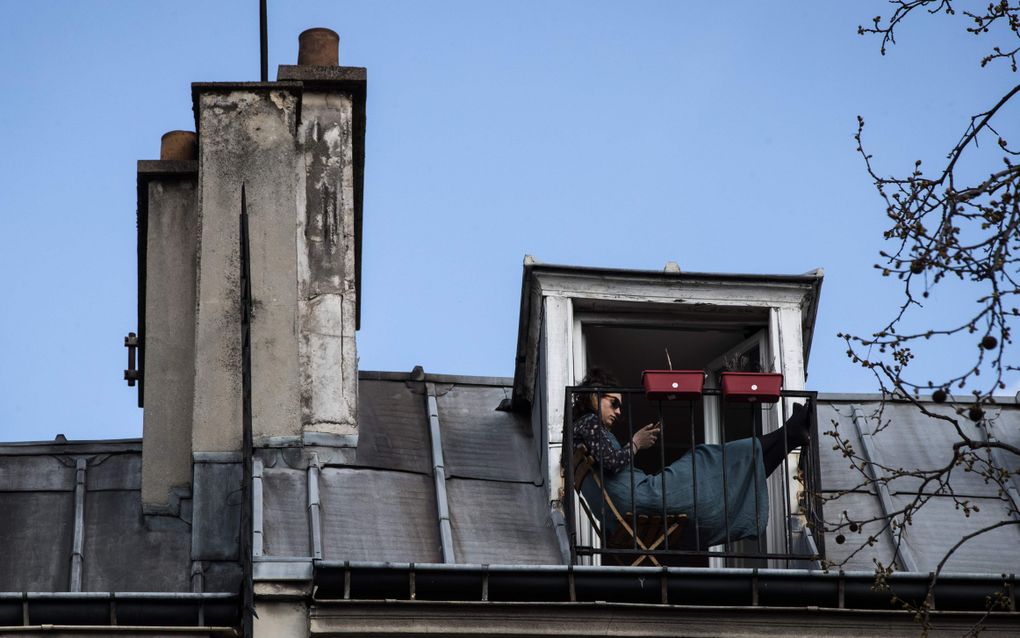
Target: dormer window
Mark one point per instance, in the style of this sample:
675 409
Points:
625 322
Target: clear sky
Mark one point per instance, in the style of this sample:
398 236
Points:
627 134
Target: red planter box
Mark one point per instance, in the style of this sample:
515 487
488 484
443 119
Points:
753 387
668 385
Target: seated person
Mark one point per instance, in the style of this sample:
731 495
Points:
594 416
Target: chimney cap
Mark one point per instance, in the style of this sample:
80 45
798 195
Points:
178 145
318 47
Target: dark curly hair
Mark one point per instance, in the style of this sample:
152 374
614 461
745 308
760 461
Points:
582 402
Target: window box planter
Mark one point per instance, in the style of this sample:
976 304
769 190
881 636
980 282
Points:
670 385
752 387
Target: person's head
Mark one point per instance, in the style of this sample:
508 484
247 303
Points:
607 404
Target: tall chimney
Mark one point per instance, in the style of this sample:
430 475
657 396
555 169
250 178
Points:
297 147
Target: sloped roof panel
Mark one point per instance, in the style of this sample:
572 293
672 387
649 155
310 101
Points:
285 513
481 442
35 473
908 439
114 472
216 516
376 515
35 540
392 426
836 470
911 440
859 506
123 554
501 523
939 525
1004 426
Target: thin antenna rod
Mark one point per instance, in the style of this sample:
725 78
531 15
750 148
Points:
264 41
669 361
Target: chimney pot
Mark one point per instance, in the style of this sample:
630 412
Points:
179 145
318 47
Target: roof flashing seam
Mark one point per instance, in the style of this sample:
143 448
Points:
439 475
314 508
257 505
901 550
78 546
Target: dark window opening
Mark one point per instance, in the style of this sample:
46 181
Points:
626 351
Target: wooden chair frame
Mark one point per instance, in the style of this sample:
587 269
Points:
649 532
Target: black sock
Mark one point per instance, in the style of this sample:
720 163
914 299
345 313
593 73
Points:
794 433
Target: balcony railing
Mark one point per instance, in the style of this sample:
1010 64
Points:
795 540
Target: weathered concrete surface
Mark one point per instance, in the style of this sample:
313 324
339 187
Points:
171 254
280 618
327 282
247 138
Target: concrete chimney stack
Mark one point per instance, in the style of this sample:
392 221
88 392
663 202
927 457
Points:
297 147
167 270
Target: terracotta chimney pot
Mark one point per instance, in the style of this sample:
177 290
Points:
179 145
318 47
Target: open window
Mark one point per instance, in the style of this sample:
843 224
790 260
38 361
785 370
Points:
626 350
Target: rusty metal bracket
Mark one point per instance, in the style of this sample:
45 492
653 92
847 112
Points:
132 374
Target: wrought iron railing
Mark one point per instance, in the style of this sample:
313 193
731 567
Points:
797 542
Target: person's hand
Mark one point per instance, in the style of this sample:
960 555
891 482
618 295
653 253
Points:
646 436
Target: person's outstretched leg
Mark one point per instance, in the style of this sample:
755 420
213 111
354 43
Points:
796 430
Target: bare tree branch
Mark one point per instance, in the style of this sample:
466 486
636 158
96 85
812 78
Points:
945 226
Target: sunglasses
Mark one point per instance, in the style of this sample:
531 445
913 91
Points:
614 403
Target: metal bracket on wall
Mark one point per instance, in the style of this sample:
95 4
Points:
132 374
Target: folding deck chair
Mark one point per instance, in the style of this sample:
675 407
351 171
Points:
649 532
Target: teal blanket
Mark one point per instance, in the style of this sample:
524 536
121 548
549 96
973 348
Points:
745 487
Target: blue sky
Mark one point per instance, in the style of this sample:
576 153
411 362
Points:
717 135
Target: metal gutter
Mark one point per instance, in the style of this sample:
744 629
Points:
21 611
78 545
902 552
439 476
115 630
704 587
